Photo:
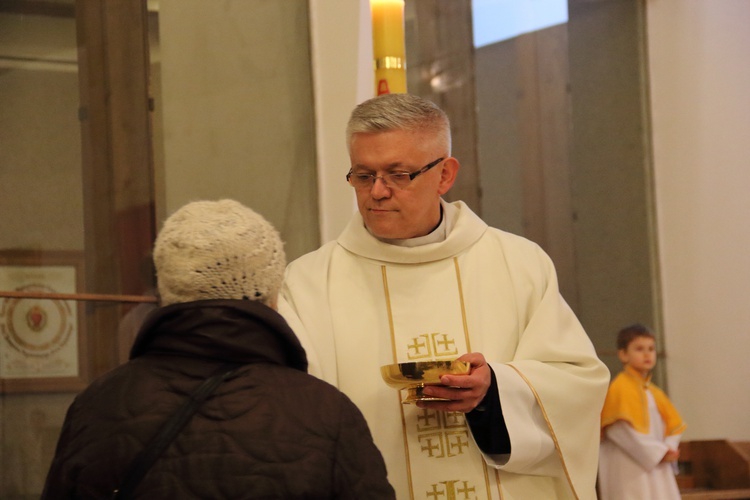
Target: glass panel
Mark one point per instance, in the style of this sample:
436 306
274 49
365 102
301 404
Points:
41 235
40 148
76 214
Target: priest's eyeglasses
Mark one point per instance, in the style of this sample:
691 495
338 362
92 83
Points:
361 180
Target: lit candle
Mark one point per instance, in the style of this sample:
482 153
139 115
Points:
389 49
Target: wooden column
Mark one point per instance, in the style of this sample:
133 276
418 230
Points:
117 171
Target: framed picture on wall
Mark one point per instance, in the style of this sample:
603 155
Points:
42 338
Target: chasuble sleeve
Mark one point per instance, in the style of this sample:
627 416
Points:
314 367
531 445
303 304
555 379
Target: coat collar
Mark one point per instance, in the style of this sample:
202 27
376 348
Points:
228 330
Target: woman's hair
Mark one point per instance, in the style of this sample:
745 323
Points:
632 332
399 112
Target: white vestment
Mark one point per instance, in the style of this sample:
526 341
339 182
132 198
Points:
359 303
629 467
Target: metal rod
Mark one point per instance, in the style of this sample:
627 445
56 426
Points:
79 296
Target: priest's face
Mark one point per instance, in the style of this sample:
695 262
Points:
413 209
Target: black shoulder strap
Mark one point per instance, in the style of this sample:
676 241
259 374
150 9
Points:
153 450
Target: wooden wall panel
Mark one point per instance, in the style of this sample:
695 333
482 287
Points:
117 173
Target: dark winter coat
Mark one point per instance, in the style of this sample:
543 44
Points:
271 431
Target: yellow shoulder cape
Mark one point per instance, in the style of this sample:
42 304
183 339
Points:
626 400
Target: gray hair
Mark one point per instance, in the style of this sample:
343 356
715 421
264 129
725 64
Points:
406 112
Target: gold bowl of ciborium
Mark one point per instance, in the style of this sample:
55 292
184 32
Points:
414 376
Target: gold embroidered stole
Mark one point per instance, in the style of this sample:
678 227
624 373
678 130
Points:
441 459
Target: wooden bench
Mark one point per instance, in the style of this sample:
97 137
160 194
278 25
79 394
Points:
714 470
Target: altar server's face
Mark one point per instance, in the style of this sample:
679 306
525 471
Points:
640 354
401 212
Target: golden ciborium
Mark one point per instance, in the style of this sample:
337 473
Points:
416 375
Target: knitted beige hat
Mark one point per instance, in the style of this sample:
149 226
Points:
218 250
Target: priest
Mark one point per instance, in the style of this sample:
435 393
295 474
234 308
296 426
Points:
415 278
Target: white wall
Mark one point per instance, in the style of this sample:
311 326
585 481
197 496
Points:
700 78
341 47
238 112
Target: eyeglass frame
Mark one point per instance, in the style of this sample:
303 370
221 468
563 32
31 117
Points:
412 175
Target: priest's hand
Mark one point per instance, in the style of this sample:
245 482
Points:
465 392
